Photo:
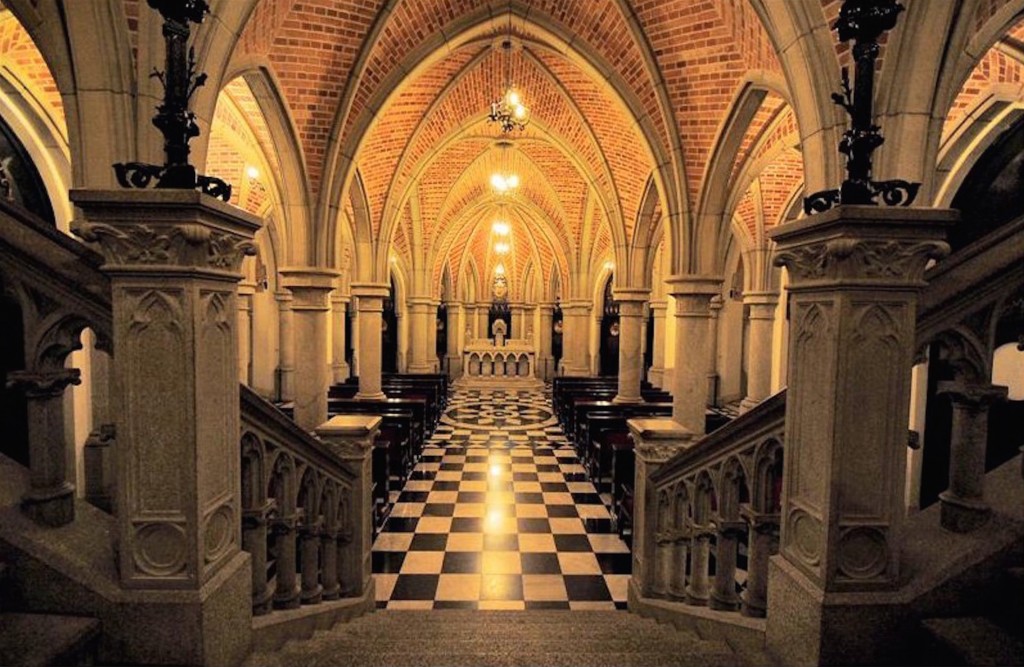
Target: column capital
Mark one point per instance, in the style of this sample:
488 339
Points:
165 231
868 245
422 301
246 288
690 284
658 307
973 395
370 290
44 384
631 294
284 298
310 287
350 436
658 440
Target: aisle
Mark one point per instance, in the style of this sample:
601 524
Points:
498 514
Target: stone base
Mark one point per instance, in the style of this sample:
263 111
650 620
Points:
50 507
961 515
272 631
499 382
808 627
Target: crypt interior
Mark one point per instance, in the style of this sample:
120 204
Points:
522 332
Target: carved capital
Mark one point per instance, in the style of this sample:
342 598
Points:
852 258
44 384
175 245
973 396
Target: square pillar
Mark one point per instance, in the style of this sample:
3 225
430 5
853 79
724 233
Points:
173 257
631 358
855 274
350 438
370 306
693 296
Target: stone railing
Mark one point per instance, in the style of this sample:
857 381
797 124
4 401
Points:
516 358
305 506
714 506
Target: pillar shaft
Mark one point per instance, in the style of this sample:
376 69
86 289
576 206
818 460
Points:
371 308
631 359
310 312
50 499
657 372
714 309
692 348
576 348
453 352
286 346
420 322
340 370
545 360
760 321
963 505
245 296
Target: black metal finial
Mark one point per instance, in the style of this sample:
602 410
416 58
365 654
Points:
862 21
174 119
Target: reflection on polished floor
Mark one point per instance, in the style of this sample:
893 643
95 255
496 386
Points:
498 514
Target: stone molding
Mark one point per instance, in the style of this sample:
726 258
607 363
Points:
44 384
658 440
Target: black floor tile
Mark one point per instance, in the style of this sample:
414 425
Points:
581 587
462 562
429 542
415 587
576 543
387 562
540 563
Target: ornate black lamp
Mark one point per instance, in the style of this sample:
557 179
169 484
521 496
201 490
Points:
863 21
174 119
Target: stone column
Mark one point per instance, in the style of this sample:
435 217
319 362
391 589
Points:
340 370
762 542
693 295
351 437
246 290
657 373
173 257
657 440
855 275
963 506
545 359
50 499
453 351
420 321
371 308
723 594
469 328
575 348
311 308
759 346
631 358
482 313
432 359
286 345
714 308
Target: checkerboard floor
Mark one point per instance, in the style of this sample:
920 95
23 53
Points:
498 514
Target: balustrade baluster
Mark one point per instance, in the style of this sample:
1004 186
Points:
286 595
309 545
254 540
723 595
329 567
663 565
697 590
763 542
680 551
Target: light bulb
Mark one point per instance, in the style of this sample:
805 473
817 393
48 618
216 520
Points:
252 172
499 270
501 248
499 182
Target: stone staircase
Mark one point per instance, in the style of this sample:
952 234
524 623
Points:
506 638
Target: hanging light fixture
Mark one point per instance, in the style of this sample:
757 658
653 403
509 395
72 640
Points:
501 228
508 111
501 247
504 180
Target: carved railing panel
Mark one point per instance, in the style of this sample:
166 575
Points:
297 502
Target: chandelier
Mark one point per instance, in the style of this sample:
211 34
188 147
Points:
508 111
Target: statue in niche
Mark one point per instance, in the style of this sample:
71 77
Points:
499 330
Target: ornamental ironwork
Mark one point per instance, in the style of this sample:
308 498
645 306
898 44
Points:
863 21
174 119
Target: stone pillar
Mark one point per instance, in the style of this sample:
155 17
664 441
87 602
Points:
419 336
173 257
286 346
723 594
310 310
963 506
762 542
693 295
50 499
697 591
714 308
545 359
453 351
340 370
482 313
657 373
657 440
309 546
432 359
759 346
351 437
371 308
246 290
631 358
576 347
855 274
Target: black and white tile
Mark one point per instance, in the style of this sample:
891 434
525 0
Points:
498 514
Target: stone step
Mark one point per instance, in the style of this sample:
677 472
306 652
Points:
31 640
512 658
975 640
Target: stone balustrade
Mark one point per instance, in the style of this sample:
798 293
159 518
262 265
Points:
516 358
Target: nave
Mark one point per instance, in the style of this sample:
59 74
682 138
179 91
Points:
498 514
